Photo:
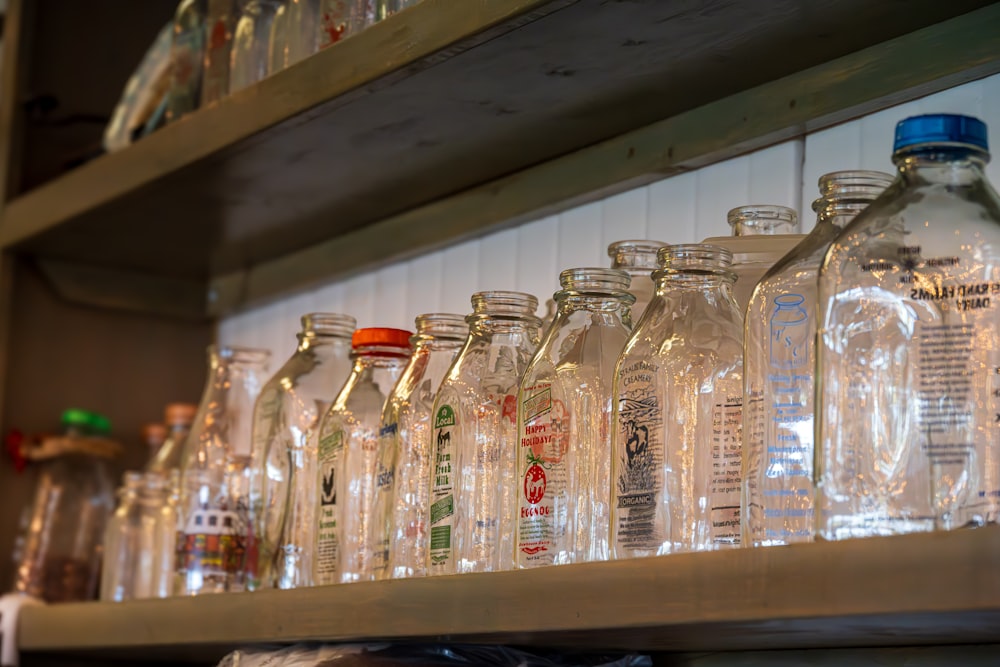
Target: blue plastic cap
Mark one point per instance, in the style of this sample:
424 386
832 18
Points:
941 128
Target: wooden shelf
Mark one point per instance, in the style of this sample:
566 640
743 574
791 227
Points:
902 591
433 125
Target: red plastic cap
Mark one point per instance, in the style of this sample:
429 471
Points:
381 337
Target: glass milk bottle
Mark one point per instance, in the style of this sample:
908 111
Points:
121 542
341 18
348 456
283 460
187 49
399 526
779 361
215 540
564 423
675 482
638 260
220 24
251 46
472 486
908 347
178 417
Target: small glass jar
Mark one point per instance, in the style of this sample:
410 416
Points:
121 542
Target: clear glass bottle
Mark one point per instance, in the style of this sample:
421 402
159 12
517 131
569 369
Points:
154 435
121 542
678 412
215 540
220 26
342 18
285 442
472 487
348 456
277 58
187 50
638 260
251 47
779 360
386 8
564 423
399 525
908 347
762 234
178 417
74 496
302 32
165 531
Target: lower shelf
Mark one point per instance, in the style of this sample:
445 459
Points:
910 590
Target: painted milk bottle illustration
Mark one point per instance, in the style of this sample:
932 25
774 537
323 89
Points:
399 537
564 422
678 409
779 360
908 345
472 487
348 449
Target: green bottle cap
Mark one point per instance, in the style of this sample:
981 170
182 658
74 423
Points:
100 424
76 417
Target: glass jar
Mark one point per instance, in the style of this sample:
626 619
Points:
472 487
564 423
179 417
251 47
343 18
285 442
678 412
399 527
74 496
908 345
215 542
348 456
638 260
220 25
187 49
779 360
121 542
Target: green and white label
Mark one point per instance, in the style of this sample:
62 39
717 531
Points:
442 510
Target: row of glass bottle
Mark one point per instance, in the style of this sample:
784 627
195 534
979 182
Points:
392 502
221 46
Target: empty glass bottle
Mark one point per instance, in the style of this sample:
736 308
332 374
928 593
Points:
121 542
472 500
564 423
179 417
908 347
399 526
348 456
342 18
779 359
302 32
678 399
220 25
251 45
187 49
638 260
215 541
164 503
285 442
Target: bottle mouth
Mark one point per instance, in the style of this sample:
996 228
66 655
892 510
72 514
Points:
238 354
634 254
500 302
589 279
762 220
328 324
441 325
854 184
695 256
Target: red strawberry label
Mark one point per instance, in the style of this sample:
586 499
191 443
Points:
534 484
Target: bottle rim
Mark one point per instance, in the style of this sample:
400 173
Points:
240 354
595 279
328 324
695 252
761 219
440 326
633 254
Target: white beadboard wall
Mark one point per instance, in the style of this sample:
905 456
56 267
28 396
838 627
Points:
681 209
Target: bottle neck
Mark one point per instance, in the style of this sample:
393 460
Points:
323 344
951 167
485 325
610 301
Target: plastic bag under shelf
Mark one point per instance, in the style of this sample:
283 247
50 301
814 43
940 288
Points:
420 655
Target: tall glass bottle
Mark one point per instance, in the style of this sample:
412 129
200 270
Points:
779 359
285 443
187 49
343 18
638 260
399 525
220 25
348 456
472 487
215 540
678 400
908 347
179 417
251 48
564 423
121 542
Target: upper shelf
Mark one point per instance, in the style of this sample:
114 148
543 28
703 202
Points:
912 590
418 111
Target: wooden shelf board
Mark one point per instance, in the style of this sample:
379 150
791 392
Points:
917 589
443 97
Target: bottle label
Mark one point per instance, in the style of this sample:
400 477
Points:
543 476
724 491
638 487
442 510
327 569
213 543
